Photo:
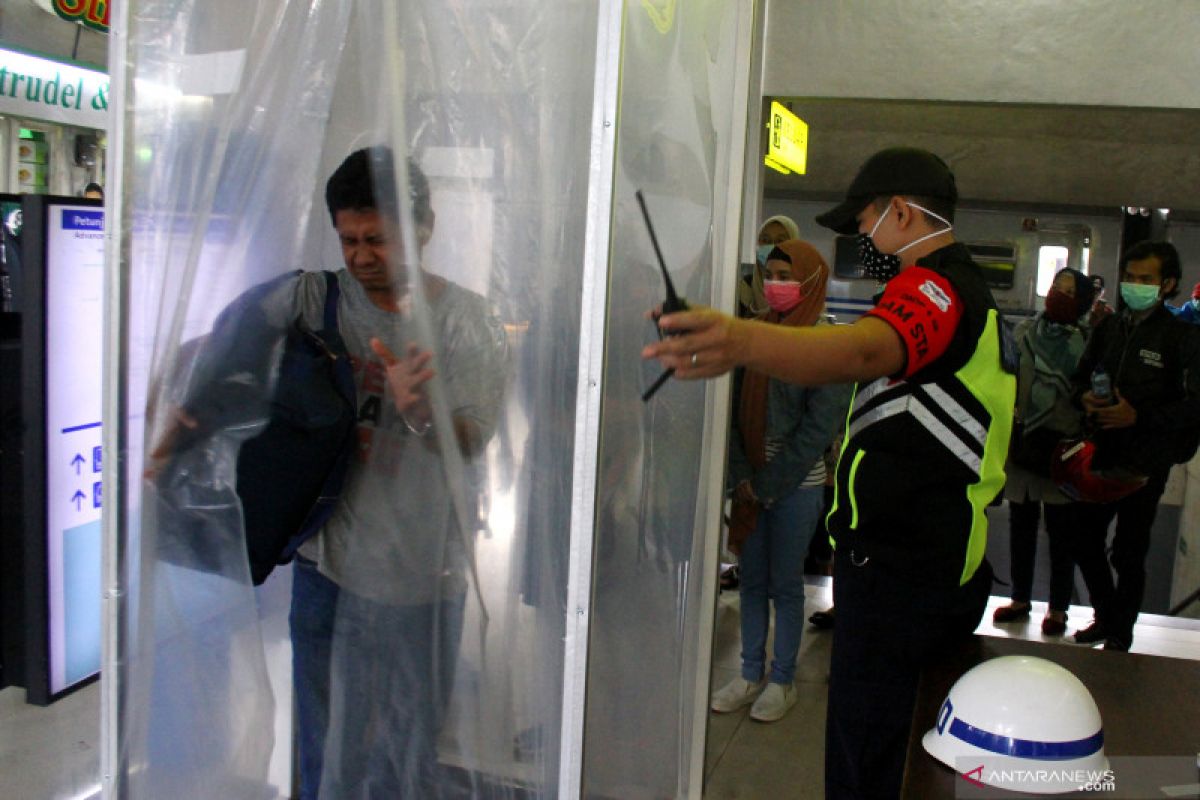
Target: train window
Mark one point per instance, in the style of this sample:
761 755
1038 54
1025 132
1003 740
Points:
998 260
845 258
1051 259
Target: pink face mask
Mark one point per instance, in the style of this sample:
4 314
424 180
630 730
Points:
782 296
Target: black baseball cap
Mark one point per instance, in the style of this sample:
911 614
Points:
897 170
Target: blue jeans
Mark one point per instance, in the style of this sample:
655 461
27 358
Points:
372 682
314 608
772 567
392 674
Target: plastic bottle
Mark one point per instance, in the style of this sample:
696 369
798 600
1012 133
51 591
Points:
1101 385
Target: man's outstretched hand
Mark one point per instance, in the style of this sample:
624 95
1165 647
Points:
698 343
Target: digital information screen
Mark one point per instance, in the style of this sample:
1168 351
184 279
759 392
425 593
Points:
74 281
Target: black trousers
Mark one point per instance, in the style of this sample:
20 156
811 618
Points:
1023 519
1118 602
889 626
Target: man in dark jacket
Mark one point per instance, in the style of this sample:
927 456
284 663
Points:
1151 422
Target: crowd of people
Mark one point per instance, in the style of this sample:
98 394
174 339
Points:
952 408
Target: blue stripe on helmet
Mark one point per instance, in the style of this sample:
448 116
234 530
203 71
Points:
1026 748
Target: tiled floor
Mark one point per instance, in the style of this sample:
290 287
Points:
747 759
50 753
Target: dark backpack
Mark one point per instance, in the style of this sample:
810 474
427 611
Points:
290 474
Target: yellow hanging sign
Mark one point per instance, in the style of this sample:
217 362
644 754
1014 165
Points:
787 144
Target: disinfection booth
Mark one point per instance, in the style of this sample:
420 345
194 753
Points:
518 582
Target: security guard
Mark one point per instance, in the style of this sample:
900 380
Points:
927 435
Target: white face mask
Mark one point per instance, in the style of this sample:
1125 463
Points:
879 222
940 218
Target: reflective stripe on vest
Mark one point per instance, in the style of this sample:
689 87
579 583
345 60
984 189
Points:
965 439
978 438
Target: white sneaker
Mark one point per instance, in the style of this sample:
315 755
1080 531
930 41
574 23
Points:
736 694
774 702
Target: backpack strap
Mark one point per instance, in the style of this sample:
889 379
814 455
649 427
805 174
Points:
343 379
332 292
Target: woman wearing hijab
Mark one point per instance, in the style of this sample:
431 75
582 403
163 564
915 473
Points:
751 301
777 470
1051 345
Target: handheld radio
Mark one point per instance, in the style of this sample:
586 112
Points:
673 302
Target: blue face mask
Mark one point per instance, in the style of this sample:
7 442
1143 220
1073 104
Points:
1139 296
762 252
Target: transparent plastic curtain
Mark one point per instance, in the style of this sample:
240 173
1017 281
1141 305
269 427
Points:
447 652
227 112
677 131
433 601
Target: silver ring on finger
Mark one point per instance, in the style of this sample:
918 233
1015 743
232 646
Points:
693 359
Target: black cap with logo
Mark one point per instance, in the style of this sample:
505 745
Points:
895 171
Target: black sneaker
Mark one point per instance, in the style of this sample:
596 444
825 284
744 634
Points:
731 578
1013 612
1091 634
1117 643
822 620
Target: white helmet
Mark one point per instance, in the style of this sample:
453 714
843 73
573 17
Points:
1024 724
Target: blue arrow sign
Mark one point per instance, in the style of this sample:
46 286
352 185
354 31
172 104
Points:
77 462
78 499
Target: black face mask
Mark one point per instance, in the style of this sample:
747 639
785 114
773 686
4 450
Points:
877 265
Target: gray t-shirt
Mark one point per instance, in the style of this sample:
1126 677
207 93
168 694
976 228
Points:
394 537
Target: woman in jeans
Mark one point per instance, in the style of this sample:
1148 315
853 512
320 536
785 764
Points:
777 471
1050 345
